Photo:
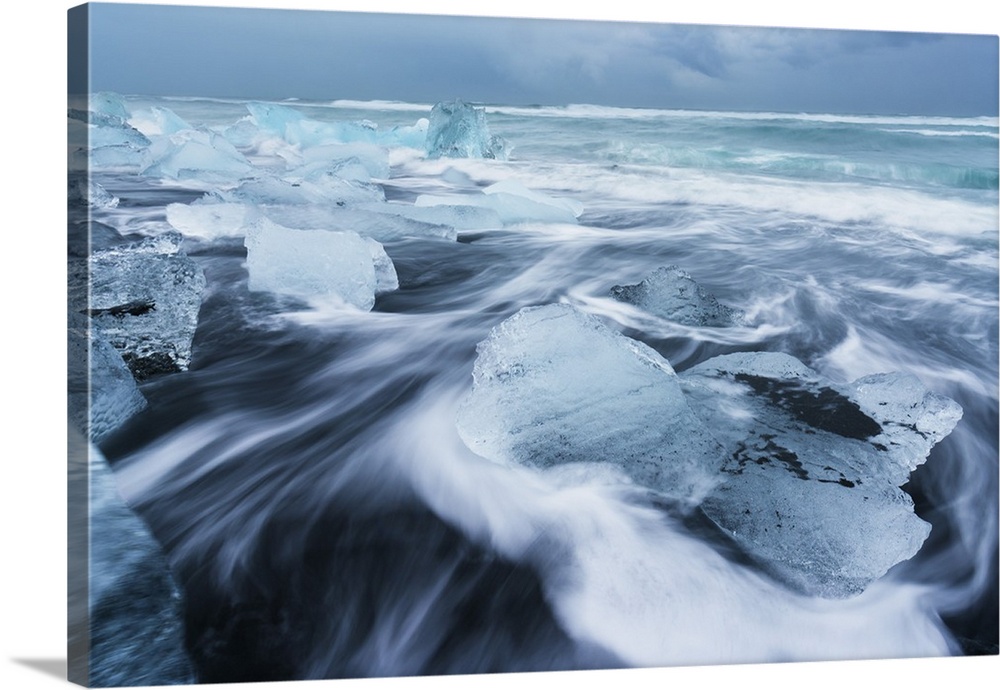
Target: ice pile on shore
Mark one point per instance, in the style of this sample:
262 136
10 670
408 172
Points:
804 474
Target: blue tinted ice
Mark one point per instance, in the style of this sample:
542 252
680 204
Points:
145 297
813 469
553 385
136 624
672 294
342 267
459 130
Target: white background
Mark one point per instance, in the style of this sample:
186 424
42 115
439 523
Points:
32 311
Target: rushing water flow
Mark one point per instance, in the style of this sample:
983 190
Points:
325 519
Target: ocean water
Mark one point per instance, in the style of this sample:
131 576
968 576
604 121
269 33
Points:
324 517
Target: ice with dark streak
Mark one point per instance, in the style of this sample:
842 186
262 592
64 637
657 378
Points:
671 293
554 386
459 130
145 297
813 469
802 473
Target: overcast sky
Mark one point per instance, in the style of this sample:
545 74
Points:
274 54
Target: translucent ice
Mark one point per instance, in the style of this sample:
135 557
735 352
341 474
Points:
386 279
673 294
411 136
208 220
813 470
368 220
338 157
158 121
196 154
321 189
144 300
459 130
136 625
295 128
451 215
513 203
88 192
316 263
110 392
553 385
108 103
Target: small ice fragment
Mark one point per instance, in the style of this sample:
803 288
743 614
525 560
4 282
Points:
673 294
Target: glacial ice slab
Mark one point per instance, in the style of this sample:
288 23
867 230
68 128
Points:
207 220
342 266
457 216
145 297
102 394
553 385
459 130
136 620
813 470
512 202
196 154
672 294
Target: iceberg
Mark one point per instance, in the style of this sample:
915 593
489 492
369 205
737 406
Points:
108 103
553 386
343 159
409 136
136 629
316 263
196 154
322 190
813 470
144 300
512 202
110 397
366 220
459 130
295 128
673 294
208 221
459 217
158 121
804 475
86 191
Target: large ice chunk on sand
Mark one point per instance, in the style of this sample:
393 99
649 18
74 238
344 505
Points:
145 297
673 294
813 470
553 385
135 625
459 130
342 266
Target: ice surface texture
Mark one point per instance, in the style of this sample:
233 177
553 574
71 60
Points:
145 298
459 130
512 202
136 629
803 474
110 395
813 470
672 294
317 263
555 386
